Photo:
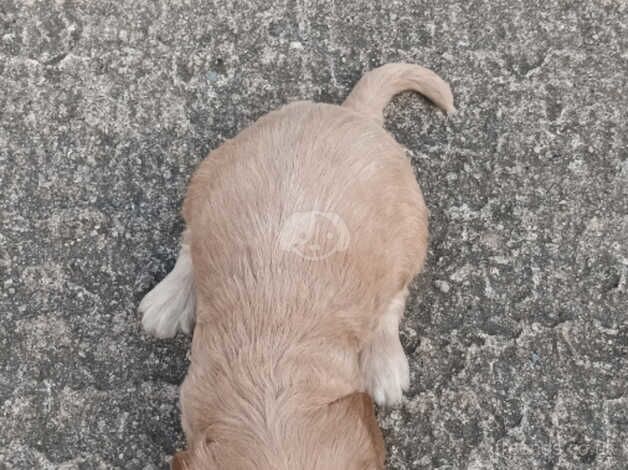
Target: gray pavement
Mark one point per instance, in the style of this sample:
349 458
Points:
517 332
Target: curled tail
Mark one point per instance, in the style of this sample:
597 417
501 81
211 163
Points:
376 88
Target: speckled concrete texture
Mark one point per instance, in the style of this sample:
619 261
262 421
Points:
517 332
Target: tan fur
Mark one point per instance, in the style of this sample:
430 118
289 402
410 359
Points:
275 379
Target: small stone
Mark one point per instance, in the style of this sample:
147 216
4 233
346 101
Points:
442 286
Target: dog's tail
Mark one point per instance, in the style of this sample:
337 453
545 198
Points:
376 88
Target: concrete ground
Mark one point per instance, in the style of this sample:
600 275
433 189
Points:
517 332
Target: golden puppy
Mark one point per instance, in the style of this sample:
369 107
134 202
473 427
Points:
303 233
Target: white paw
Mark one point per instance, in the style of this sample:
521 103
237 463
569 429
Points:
169 307
384 364
386 373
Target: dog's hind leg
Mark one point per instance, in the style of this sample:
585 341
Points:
383 362
170 305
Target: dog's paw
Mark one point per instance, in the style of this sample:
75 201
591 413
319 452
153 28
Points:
167 308
386 373
170 306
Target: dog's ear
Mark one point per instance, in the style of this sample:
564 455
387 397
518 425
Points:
180 461
360 404
367 410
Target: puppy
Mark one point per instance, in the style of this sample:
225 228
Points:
303 233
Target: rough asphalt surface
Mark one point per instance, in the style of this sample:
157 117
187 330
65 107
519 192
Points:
517 332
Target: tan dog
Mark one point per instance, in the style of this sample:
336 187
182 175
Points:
303 233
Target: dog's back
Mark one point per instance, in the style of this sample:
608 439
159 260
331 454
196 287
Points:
250 202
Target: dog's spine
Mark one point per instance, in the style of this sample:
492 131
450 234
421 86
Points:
377 87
